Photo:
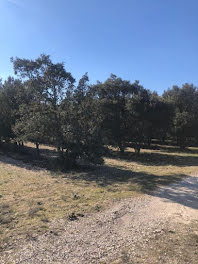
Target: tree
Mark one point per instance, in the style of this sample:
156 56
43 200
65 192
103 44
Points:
42 105
139 124
5 118
160 116
15 95
82 125
112 96
32 125
49 84
57 113
185 102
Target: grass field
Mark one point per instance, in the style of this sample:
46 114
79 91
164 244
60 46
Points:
30 198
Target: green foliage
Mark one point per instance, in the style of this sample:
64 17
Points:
56 113
139 119
5 118
185 116
42 105
112 97
49 84
82 125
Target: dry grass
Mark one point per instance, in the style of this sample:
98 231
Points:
31 198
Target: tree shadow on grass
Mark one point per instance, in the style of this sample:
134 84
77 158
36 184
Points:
155 158
27 158
175 149
181 192
106 176
26 161
176 188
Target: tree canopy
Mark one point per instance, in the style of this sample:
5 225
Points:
43 104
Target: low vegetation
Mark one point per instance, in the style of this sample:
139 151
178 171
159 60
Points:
32 197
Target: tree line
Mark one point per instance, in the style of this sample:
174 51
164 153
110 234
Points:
42 104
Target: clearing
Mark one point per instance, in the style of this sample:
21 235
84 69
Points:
119 213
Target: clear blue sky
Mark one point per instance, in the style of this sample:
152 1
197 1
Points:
154 41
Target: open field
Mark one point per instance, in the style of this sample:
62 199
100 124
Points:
32 198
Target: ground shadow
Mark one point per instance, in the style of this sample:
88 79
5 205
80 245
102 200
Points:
49 157
155 158
176 188
174 149
26 157
185 192
22 163
106 176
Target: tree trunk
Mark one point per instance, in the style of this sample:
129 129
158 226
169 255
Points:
37 150
163 139
69 160
15 146
23 149
149 141
60 153
19 146
196 140
177 139
182 142
121 147
137 150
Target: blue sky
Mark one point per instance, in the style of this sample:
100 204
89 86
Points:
154 41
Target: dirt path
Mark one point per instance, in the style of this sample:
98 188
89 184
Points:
102 237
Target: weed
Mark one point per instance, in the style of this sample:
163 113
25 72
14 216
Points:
72 217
